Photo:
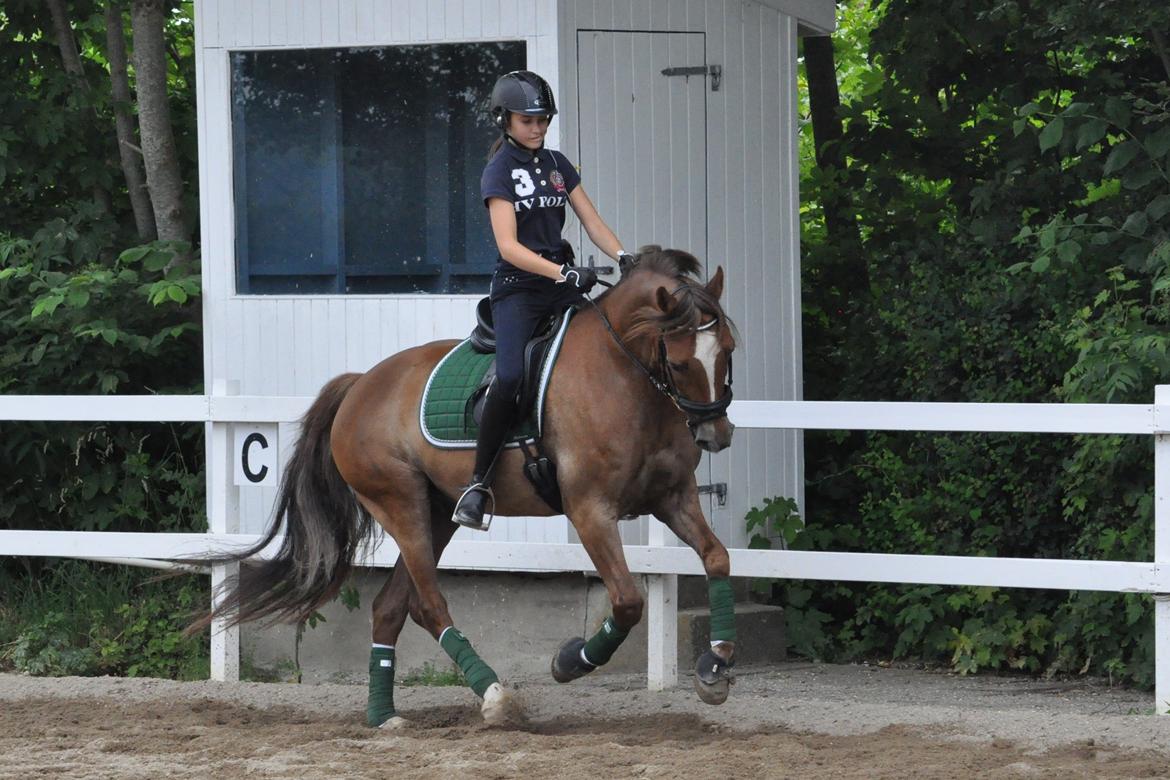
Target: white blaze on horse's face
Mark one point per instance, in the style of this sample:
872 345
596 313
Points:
706 351
713 435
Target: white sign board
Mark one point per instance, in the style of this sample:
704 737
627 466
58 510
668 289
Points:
255 455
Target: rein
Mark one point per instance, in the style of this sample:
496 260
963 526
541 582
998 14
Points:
697 413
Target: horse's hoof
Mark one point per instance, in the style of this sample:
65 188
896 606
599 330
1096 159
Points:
500 707
713 678
395 723
567 664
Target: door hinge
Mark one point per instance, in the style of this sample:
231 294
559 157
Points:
714 71
719 490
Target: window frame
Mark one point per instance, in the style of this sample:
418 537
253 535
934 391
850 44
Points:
240 266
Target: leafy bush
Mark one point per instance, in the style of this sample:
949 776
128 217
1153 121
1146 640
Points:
72 325
47 648
970 629
90 619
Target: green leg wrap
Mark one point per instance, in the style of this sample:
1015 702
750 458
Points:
601 646
479 675
380 703
722 601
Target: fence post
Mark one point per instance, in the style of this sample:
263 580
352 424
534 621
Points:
223 517
1162 547
661 621
662 631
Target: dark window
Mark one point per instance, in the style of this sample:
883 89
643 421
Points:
357 170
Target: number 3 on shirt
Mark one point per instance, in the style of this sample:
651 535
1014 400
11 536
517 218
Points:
524 185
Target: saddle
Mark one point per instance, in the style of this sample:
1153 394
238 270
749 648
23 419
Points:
483 341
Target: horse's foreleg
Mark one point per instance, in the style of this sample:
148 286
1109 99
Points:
578 656
684 515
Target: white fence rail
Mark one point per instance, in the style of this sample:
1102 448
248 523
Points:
220 411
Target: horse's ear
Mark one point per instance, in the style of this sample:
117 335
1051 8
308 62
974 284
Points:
715 286
665 300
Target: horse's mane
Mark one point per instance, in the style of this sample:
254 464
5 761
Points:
668 262
693 299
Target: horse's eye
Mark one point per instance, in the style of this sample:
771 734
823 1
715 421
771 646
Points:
678 366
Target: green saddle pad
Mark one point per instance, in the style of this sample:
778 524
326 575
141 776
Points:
444 415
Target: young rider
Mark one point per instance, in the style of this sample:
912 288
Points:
525 187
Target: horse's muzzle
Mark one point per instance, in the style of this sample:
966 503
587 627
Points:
714 435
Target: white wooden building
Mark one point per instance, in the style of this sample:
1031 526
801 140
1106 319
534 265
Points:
340 145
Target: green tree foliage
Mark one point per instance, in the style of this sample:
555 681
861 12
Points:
87 308
1007 163
89 328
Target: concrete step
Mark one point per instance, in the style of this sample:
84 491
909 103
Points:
692 590
759 628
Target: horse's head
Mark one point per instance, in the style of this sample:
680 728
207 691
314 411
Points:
694 339
696 358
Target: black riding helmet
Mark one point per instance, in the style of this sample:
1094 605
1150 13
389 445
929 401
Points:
521 92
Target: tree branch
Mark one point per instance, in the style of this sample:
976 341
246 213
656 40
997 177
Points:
173 53
71 60
163 177
851 276
65 40
125 125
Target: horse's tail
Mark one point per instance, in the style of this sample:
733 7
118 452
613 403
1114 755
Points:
324 526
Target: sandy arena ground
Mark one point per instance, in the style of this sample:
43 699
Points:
797 720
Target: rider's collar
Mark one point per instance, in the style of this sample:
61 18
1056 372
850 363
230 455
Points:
519 152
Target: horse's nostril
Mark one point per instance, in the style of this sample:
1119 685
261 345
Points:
710 445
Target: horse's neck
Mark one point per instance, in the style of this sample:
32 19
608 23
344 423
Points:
621 305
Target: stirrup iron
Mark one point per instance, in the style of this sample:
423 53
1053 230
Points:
489 501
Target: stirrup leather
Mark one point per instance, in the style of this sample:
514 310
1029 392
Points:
487 517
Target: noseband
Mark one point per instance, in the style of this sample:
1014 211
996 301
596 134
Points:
697 413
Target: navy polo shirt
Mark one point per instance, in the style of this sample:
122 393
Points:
537 184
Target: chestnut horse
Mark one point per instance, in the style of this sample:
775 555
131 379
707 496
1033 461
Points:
641 386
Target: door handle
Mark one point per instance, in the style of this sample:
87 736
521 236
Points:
600 270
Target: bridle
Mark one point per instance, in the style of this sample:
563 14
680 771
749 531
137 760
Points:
697 413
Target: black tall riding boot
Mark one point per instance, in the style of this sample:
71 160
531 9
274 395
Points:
498 411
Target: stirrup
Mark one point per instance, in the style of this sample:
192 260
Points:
489 500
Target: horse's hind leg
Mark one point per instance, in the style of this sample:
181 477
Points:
394 601
683 514
411 520
392 604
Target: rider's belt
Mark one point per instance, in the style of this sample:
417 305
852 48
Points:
562 255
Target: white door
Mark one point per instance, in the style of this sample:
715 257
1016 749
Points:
643 149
